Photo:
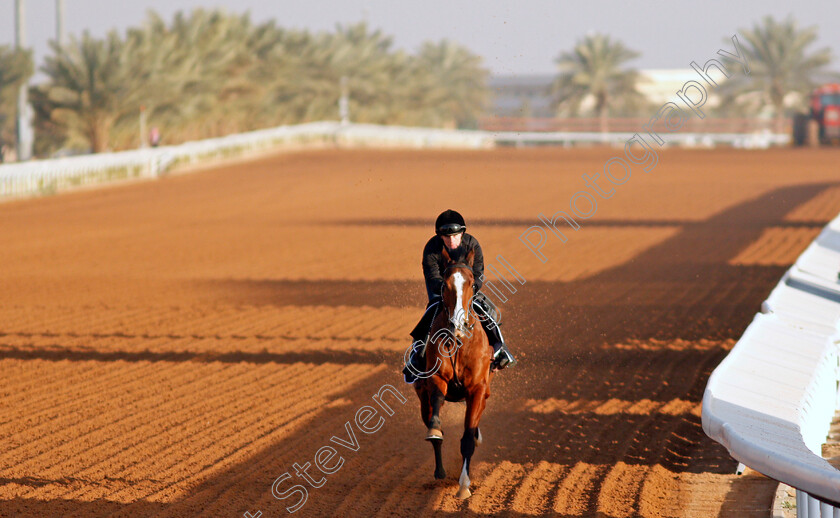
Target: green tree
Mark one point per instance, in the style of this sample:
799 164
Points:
209 73
782 70
307 83
595 67
87 90
191 77
15 69
458 89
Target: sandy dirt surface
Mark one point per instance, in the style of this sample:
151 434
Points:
171 348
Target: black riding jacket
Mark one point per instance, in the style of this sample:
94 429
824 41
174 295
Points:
433 263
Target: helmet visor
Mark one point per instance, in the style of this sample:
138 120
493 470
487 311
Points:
450 229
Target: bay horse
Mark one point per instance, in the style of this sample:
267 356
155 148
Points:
458 355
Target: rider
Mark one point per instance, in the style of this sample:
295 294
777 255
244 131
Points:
450 232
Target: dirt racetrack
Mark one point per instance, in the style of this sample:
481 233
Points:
171 348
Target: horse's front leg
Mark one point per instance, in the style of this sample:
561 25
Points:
435 434
437 394
423 390
475 407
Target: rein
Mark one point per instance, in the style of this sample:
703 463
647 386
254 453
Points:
457 265
448 314
454 357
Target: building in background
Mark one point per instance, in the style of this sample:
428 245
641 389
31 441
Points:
521 96
529 96
660 85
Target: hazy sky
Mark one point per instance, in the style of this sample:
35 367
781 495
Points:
513 37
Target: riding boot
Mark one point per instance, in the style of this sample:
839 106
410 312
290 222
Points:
416 363
420 334
501 355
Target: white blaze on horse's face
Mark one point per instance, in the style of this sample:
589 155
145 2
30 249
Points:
459 315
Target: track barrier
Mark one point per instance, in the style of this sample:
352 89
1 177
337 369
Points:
49 176
40 177
771 401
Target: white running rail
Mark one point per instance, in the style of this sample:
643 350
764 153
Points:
771 400
46 176
758 140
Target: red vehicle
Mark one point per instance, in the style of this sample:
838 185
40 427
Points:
822 124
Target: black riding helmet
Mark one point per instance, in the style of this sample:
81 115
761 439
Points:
449 223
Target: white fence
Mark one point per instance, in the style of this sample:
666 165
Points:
46 176
771 401
759 140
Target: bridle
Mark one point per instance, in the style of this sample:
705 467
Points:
447 347
457 265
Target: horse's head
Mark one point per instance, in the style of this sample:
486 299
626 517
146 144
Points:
458 283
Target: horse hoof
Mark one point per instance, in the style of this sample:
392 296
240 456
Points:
441 475
434 434
463 493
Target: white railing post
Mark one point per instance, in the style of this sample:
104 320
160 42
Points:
801 504
813 507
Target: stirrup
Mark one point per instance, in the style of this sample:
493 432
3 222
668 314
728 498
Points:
501 359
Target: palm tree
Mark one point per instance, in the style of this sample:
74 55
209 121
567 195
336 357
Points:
209 73
308 71
459 83
779 66
595 68
150 55
87 88
191 77
15 69
215 63
365 58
